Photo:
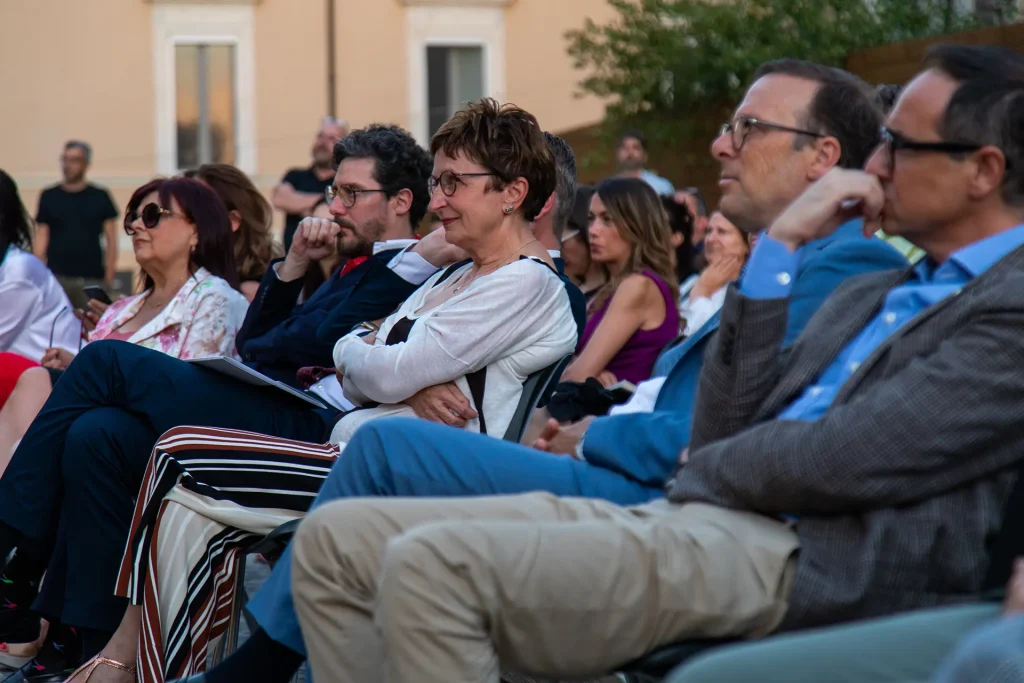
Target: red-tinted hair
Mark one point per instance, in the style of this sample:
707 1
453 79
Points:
202 207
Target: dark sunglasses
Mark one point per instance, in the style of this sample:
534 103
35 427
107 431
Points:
151 214
893 142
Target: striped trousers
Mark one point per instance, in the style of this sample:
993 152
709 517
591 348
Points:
207 494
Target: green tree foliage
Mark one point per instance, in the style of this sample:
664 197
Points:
660 61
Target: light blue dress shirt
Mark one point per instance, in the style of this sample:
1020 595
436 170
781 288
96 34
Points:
769 275
660 185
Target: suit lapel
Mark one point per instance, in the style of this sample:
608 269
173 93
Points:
811 356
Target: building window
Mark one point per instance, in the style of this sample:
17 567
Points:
205 99
204 69
455 76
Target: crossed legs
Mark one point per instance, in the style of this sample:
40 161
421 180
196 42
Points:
442 590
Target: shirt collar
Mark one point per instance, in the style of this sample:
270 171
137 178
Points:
974 259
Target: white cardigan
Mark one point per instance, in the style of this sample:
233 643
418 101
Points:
32 303
514 321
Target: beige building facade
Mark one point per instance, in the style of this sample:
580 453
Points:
157 86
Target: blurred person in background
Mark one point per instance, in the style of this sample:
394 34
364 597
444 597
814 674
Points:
693 198
589 275
726 249
251 219
631 156
72 217
301 189
681 223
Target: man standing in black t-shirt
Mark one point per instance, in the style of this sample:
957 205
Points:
302 189
71 218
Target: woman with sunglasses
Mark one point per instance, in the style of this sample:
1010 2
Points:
189 307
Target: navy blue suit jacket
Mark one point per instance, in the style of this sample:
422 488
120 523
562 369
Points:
279 336
646 446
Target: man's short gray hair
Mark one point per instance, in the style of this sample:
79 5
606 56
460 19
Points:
78 144
565 182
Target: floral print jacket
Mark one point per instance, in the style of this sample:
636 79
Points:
201 320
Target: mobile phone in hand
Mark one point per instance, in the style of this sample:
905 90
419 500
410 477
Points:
96 292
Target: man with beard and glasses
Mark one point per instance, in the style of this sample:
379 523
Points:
377 199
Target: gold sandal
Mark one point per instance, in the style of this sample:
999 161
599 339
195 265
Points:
87 669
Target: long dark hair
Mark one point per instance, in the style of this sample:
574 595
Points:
15 224
254 241
680 221
203 208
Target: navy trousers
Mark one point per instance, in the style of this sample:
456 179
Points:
85 454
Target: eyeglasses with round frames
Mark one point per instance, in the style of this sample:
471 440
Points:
448 181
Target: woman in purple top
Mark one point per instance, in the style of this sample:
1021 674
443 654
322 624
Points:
633 317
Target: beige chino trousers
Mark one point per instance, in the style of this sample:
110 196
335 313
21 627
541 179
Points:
451 590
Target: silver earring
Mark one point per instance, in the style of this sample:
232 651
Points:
192 249
509 209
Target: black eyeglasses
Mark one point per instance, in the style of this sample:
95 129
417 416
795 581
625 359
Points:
449 181
893 142
151 215
740 127
346 193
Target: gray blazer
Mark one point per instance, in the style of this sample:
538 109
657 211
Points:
899 485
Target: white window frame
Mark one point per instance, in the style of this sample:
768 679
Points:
175 25
440 26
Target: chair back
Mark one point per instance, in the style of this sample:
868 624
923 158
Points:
537 389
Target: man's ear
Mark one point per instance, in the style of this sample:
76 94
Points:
827 152
989 171
548 207
402 201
